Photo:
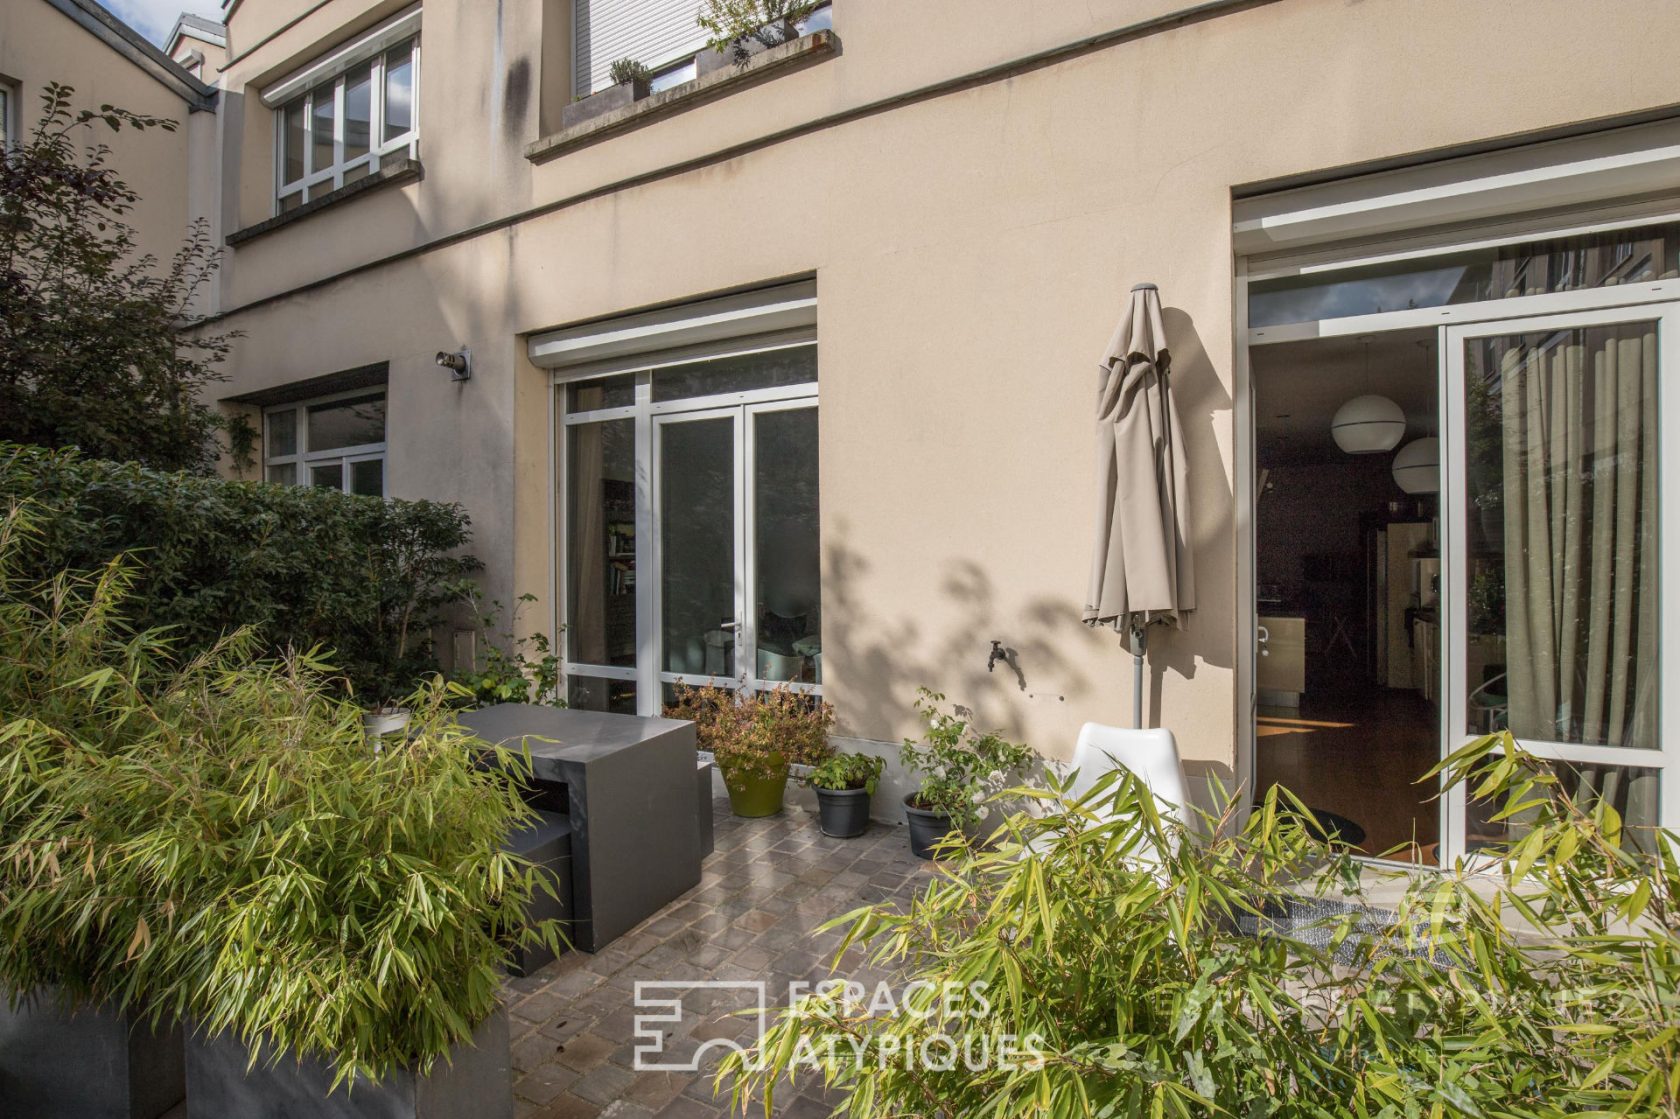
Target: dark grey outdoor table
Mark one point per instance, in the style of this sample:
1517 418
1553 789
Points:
629 790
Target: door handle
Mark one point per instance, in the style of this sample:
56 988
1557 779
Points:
1263 635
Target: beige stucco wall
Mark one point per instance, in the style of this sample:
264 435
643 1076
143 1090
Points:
972 251
39 44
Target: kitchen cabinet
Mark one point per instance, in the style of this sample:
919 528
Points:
1280 673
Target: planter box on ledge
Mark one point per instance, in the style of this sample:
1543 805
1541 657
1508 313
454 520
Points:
613 97
62 1063
474 1082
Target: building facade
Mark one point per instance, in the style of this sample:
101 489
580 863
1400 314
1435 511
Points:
783 372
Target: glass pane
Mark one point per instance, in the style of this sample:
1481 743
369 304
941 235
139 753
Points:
360 171
321 129
673 76
291 201
608 392
282 433
588 693
368 477
284 473
399 90
329 475
1632 791
1562 534
1562 264
773 369
358 110
291 142
697 545
787 545
347 423
601 532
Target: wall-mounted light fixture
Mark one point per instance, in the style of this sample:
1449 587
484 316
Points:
459 363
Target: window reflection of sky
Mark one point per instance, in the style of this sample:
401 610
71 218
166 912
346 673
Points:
1368 295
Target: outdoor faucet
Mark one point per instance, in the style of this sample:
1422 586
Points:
997 654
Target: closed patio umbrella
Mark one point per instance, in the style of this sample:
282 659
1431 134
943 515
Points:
1141 570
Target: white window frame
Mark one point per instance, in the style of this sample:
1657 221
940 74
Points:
406 145
8 114
303 459
1452 323
649 418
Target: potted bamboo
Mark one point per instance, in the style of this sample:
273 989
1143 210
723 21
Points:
845 784
226 852
755 738
960 769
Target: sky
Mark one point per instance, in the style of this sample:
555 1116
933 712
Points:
154 18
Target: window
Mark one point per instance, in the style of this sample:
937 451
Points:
8 105
660 34
337 442
340 129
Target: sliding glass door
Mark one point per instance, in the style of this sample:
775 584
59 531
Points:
1560 513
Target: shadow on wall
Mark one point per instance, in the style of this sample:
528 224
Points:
1047 658
890 658
1204 408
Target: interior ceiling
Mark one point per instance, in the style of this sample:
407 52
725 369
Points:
1299 385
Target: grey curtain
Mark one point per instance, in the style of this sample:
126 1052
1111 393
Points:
1579 413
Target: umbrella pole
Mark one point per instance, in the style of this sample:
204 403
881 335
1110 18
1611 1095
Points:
1139 643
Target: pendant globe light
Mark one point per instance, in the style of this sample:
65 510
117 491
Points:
1369 424
1417 468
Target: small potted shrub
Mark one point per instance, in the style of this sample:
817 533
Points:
630 84
738 29
844 785
755 737
960 767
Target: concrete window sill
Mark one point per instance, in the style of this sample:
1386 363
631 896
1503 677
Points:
392 173
784 59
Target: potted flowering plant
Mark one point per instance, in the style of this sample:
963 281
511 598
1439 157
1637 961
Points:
960 768
844 785
755 737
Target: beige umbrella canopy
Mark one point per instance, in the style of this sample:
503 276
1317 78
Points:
1141 569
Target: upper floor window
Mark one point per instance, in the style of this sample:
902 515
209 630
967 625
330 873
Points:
337 442
663 35
339 119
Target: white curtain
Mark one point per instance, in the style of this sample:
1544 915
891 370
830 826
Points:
1579 411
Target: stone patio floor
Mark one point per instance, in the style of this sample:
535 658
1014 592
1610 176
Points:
767 884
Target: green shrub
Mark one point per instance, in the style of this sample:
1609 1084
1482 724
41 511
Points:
301 567
847 771
756 734
220 841
1128 969
959 765
627 70
516 669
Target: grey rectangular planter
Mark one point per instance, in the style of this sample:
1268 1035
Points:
475 1083
599 104
86 1063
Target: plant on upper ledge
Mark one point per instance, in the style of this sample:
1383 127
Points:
627 71
736 26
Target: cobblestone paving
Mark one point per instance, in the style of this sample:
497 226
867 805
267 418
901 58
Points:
765 887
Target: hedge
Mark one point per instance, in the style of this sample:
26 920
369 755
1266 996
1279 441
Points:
361 577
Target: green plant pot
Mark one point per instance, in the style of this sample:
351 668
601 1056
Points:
752 796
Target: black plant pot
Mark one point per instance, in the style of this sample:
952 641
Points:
474 1082
611 99
62 1063
926 828
843 813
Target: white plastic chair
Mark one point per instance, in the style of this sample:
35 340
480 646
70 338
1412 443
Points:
1151 754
